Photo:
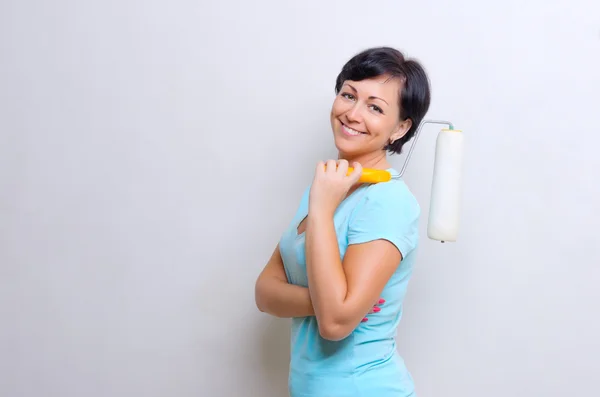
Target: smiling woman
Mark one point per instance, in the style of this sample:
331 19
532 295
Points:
349 250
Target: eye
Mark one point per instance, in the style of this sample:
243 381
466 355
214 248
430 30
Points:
377 109
348 96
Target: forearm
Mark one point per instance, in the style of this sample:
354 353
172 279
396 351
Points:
281 299
326 278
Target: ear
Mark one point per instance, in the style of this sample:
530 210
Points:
401 130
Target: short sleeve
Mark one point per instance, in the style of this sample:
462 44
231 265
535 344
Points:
388 211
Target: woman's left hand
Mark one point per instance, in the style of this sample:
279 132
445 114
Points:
331 185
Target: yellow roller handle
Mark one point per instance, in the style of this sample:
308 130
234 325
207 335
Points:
370 175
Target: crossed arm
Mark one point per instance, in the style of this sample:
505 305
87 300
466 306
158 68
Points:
274 295
340 293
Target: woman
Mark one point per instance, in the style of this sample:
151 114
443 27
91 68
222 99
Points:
351 246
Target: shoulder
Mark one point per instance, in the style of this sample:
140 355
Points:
394 197
388 211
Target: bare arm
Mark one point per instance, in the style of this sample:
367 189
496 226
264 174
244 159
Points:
274 295
343 293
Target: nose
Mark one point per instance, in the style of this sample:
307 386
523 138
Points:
353 114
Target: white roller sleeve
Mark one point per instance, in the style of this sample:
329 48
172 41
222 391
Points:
444 209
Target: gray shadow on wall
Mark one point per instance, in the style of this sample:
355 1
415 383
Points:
275 355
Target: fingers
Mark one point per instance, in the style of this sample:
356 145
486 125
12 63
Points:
379 302
375 309
356 172
331 167
320 167
342 167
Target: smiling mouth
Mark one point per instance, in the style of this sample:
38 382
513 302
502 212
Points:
352 132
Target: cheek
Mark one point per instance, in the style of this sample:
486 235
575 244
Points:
338 108
379 127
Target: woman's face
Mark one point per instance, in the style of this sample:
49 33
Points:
365 116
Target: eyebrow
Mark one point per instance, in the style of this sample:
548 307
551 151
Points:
371 97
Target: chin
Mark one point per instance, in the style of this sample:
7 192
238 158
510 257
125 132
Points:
346 147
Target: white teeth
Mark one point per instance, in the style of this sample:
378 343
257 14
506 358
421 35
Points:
351 131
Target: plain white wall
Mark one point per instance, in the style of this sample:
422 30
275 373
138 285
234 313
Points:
151 153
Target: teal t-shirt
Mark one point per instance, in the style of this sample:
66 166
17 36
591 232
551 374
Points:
366 362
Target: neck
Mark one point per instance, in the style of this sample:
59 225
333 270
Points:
371 160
